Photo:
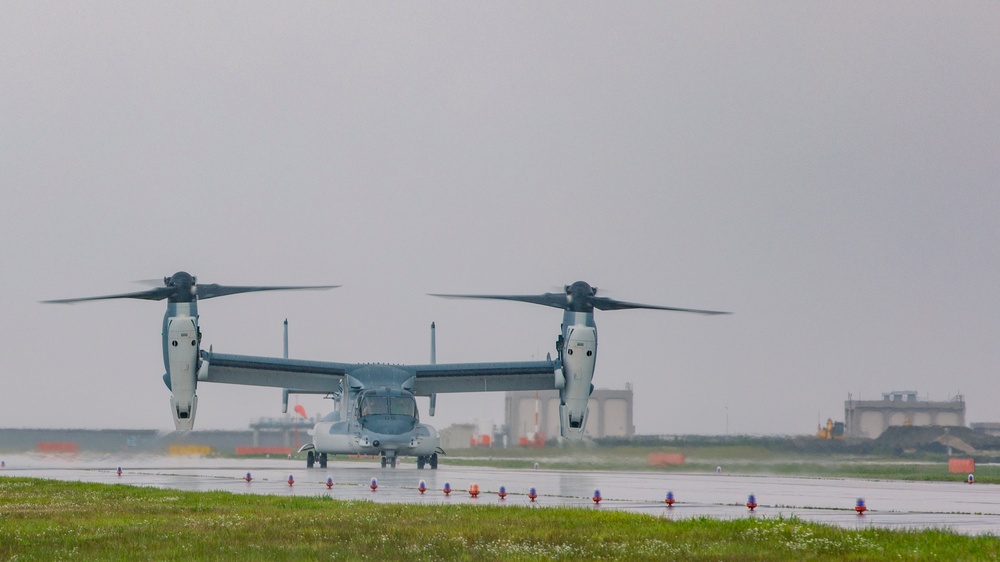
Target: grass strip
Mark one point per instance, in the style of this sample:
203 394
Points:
51 520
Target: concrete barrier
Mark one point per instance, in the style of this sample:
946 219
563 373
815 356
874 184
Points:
963 466
263 451
57 447
665 459
189 450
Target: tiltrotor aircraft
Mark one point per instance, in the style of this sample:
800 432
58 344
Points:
375 412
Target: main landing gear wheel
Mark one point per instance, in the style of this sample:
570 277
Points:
421 461
384 461
310 459
322 460
434 461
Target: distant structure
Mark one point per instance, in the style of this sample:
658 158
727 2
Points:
610 414
989 428
457 436
145 441
869 418
292 429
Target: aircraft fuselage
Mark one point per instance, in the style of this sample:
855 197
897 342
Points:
381 421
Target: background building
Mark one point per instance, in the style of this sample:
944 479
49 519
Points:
610 414
869 418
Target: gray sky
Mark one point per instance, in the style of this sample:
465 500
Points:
827 171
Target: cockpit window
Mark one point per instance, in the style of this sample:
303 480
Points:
403 406
382 405
374 405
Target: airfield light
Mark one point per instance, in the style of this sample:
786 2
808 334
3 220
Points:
248 478
474 490
532 494
119 471
422 487
291 480
329 482
597 496
670 499
3 464
374 484
446 489
752 502
502 492
859 506
971 479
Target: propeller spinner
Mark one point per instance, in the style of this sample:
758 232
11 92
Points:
183 287
578 297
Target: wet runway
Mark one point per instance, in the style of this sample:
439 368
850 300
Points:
957 506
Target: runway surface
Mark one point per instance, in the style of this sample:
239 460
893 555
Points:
957 506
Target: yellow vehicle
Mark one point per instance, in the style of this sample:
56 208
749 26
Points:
833 430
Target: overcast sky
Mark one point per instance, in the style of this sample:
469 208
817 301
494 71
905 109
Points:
828 171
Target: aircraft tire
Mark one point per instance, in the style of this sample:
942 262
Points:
421 461
394 461
310 459
322 460
384 462
434 461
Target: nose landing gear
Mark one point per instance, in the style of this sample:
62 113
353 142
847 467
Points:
389 458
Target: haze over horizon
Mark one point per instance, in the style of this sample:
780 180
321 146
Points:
827 172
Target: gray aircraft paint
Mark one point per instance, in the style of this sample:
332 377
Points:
350 429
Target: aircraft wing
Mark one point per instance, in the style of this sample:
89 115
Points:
485 377
295 374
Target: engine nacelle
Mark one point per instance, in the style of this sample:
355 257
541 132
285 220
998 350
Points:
182 369
579 358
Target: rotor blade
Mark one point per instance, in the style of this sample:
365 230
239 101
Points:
212 290
604 303
555 300
157 294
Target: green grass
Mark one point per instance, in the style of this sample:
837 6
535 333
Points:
51 520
